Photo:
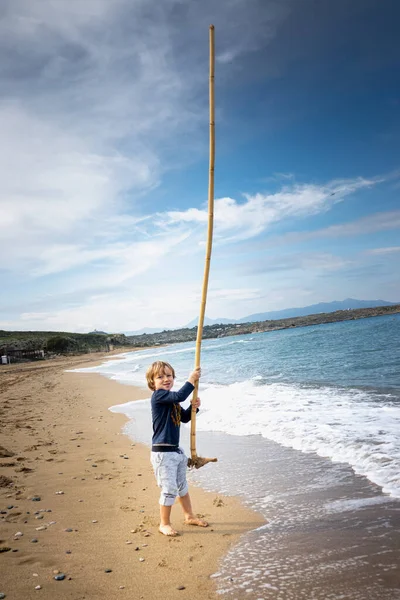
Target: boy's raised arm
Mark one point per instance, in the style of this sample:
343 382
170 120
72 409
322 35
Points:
181 395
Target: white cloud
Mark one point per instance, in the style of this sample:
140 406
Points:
99 100
236 221
383 251
382 221
52 181
119 310
302 262
90 97
233 294
96 98
116 263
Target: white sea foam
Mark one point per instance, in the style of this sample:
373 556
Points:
344 425
350 504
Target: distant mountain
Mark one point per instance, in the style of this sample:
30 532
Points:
190 325
146 330
287 313
321 307
208 321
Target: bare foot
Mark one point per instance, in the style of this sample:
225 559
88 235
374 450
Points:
167 530
196 521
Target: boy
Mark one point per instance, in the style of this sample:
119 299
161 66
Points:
168 459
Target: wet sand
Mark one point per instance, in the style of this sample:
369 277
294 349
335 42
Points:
98 506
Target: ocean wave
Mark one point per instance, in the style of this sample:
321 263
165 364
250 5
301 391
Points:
344 425
350 504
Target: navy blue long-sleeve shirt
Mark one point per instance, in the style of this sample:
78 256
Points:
167 415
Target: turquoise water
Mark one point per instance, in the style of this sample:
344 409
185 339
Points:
362 353
312 417
330 389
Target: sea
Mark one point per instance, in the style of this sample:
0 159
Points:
305 423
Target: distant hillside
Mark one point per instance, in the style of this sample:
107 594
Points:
17 344
288 313
28 345
150 330
224 330
208 321
321 307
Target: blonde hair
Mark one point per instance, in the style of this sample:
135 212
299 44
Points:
155 369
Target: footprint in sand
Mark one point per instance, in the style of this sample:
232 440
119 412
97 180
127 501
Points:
13 517
218 502
4 453
5 481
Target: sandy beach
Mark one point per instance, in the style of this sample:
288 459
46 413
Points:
79 498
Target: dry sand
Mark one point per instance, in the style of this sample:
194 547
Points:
98 506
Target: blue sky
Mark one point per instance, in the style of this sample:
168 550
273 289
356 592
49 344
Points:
104 158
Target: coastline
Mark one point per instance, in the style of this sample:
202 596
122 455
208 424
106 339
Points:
65 439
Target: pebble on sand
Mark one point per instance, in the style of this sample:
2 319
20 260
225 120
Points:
38 587
2 595
181 587
107 570
59 577
35 498
68 529
34 541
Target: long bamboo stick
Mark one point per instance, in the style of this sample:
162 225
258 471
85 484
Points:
196 461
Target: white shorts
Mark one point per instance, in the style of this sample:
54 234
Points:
170 471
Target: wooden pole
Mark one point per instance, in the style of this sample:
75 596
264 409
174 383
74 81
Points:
195 460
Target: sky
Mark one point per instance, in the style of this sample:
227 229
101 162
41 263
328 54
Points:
104 128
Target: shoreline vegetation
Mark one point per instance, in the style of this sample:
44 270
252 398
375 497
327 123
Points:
31 345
